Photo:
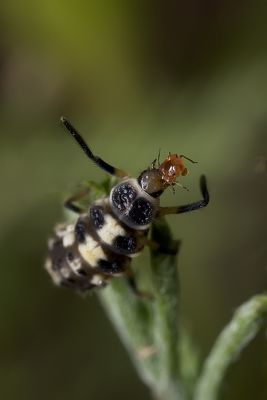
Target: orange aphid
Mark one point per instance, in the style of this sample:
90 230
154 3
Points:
171 168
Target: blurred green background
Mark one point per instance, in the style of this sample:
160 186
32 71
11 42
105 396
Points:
133 77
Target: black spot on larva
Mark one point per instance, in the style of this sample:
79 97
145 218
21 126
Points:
70 256
97 217
81 285
70 280
109 267
80 231
56 243
87 286
68 283
58 263
82 272
123 195
156 194
125 243
141 212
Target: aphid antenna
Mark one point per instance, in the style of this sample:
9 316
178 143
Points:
159 157
153 164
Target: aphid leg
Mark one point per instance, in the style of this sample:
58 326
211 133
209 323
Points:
69 203
132 284
189 207
180 185
97 160
189 159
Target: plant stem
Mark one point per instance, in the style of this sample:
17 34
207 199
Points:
149 328
166 310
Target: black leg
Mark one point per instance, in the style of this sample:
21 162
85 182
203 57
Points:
171 249
97 160
69 203
132 284
189 207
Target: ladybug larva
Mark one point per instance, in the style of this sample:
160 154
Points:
100 244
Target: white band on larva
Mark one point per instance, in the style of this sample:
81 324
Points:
91 251
110 230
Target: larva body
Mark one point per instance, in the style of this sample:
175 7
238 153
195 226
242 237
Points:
101 243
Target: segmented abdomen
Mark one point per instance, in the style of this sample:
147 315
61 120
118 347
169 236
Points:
88 253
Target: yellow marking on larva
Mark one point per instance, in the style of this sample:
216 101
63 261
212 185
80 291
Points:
51 242
110 230
75 265
97 280
65 272
48 264
91 251
54 274
68 239
62 229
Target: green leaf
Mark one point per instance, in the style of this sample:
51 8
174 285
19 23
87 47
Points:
245 324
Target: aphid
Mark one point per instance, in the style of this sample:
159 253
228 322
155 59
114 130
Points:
99 246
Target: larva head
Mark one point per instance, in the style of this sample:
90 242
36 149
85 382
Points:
155 180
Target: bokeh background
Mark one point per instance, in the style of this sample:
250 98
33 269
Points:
133 77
